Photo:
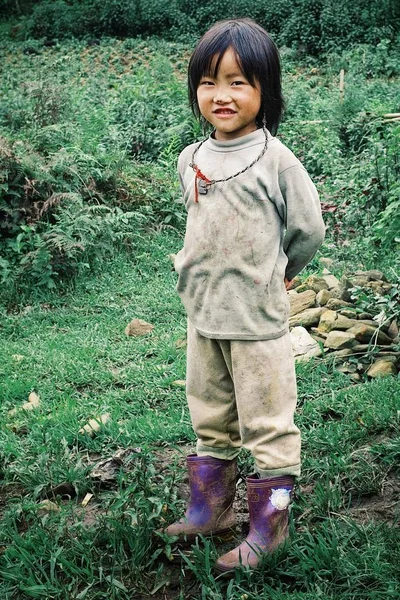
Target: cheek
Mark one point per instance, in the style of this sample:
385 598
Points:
203 101
200 98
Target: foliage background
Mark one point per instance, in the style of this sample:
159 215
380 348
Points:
315 25
91 126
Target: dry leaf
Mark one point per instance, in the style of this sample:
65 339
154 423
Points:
34 399
87 499
33 402
94 425
179 383
181 343
48 506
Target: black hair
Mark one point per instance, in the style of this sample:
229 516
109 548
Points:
257 56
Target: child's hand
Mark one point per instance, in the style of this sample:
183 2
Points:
288 284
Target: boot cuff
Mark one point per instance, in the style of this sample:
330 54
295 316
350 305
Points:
272 482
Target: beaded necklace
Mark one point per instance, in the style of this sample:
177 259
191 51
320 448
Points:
202 183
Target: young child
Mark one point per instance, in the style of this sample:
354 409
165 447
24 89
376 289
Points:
253 222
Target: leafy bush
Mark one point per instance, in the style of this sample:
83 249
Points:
60 214
324 25
81 235
311 25
59 19
134 17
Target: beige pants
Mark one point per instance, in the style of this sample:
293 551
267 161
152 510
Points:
243 393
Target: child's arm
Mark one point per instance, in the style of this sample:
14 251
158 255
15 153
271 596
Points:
305 229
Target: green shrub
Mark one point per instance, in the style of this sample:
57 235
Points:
59 19
324 25
313 26
138 17
80 235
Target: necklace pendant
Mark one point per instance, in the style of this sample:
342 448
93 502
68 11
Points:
202 187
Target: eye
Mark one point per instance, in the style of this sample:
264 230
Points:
206 82
238 82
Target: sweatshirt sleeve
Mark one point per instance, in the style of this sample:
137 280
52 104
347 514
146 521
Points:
305 229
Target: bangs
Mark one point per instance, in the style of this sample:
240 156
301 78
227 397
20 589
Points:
207 63
258 59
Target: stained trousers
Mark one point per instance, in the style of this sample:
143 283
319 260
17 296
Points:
243 394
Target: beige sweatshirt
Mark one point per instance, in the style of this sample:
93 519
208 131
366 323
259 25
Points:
244 236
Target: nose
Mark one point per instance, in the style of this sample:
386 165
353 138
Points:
222 97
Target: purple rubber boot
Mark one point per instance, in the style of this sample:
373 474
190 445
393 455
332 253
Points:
269 501
212 484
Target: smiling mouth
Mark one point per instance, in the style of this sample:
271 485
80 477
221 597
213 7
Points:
224 111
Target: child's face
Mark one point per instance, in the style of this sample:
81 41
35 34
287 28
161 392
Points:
228 101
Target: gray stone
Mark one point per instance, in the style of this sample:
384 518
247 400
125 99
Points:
394 358
296 281
327 321
347 367
337 340
369 322
322 297
302 301
303 287
341 354
307 318
331 281
393 330
344 323
336 303
304 347
319 333
364 315
379 287
382 368
355 377
365 333
318 338
345 286
371 274
316 283
326 262
359 281
350 313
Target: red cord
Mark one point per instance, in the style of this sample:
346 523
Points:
199 175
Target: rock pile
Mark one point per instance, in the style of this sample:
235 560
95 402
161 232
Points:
324 320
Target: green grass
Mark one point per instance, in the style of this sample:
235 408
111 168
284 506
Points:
72 351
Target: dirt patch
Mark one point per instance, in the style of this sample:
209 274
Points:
384 507
9 492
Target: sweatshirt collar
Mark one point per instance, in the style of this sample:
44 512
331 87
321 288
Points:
244 141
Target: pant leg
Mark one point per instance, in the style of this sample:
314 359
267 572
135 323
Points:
266 395
211 397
